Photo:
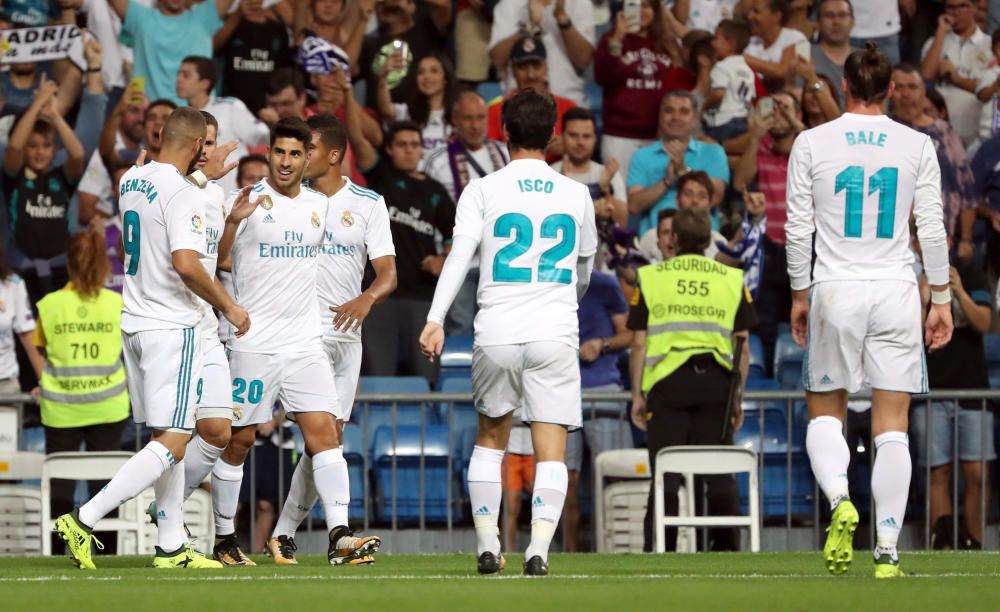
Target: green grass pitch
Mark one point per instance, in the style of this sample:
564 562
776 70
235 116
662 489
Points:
633 583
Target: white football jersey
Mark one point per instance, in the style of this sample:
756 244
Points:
275 259
853 182
161 212
357 229
531 224
215 221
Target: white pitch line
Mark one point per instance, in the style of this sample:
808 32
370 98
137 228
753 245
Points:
443 577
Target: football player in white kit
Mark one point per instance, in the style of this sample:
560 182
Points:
852 184
163 217
275 242
536 236
357 230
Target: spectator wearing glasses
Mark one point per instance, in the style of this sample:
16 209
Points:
834 23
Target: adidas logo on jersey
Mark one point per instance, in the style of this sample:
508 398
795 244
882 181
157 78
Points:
482 511
269 218
825 380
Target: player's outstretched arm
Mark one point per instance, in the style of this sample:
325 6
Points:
189 267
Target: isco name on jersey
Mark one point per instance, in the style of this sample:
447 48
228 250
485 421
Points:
275 257
357 228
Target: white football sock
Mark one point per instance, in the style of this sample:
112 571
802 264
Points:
829 457
333 486
551 481
485 493
139 472
301 498
170 509
199 459
226 482
890 486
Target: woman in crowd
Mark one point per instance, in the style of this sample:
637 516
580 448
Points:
430 102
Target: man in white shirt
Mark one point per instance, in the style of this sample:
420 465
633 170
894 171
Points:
274 243
771 51
566 28
357 231
879 21
195 79
536 236
852 184
958 52
94 190
163 218
705 14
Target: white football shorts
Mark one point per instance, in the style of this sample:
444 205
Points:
345 359
163 367
302 382
865 332
541 377
215 387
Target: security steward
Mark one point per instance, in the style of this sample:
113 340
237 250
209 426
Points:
84 398
686 318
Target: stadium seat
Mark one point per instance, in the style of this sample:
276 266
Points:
20 504
354 455
788 359
456 360
757 367
408 455
463 415
991 346
376 414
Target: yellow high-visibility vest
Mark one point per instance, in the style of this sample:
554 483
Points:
84 379
692 302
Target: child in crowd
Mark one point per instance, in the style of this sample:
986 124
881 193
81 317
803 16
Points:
731 83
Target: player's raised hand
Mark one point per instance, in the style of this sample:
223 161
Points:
639 414
216 166
239 317
938 327
243 207
432 340
350 315
800 317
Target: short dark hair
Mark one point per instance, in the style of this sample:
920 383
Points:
205 68
212 121
396 127
248 159
692 228
578 113
43 128
780 6
698 176
283 78
292 127
183 126
529 118
995 39
666 213
868 73
736 31
161 102
331 131
819 6
934 97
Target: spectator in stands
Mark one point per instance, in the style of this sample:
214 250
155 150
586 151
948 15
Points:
336 21
250 170
530 68
835 21
732 83
665 234
95 189
706 14
936 108
607 187
196 79
654 170
16 321
961 364
429 103
635 70
987 90
81 314
952 59
252 43
880 22
518 476
798 18
153 121
566 30
603 336
816 111
402 29
39 193
285 96
957 182
694 190
420 210
986 171
107 222
772 49
766 164
164 34
472 36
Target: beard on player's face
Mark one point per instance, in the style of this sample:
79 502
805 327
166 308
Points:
194 160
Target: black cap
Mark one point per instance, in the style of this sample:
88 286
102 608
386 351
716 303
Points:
527 49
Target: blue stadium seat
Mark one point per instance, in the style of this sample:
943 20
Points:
375 415
354 455
32 440
991 346
463 415
407 451
490 91
788 358
757 366
456 359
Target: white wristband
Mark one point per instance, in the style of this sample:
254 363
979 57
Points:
941 297
199 178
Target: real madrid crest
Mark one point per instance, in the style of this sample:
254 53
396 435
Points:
267 204
347 219
315 219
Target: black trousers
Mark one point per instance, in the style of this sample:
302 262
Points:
390 339
689 408
104 437
774 300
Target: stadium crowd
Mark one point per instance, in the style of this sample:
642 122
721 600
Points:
662 106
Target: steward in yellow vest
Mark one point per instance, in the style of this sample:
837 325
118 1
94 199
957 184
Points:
685 316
